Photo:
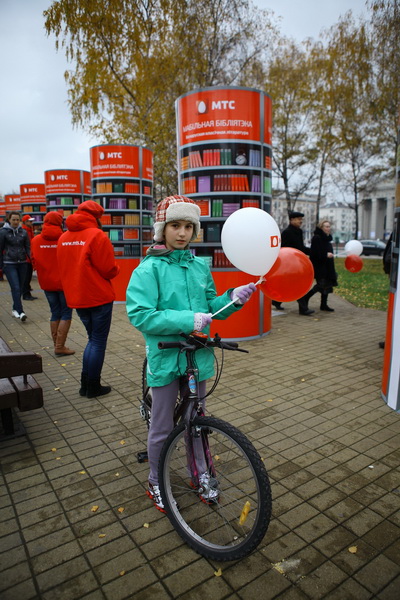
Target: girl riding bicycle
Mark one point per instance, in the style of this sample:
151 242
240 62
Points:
172 291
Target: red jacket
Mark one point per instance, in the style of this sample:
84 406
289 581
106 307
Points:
86 262
44 257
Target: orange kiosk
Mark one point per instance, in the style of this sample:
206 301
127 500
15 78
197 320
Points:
391 361
33 202
122 182
65 189
224 163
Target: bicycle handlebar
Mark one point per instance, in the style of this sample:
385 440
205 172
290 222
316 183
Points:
192 343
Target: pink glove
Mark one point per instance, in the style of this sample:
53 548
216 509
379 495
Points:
243 293
201 320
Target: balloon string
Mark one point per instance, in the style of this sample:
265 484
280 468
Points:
234 299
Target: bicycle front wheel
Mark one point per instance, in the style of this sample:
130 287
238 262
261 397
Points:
233 525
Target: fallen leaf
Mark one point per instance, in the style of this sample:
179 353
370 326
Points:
102 535
122 573
302 379
94 508
269 400
353 549
122 442
55 422
54 449
56 389
146 525
218 573
121 509
82 472
58 457
63 364
116 474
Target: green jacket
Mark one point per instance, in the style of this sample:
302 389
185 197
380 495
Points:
163 294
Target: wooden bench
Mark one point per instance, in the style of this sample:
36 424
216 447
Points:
17 386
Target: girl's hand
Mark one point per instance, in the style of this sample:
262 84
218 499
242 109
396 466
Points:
243 293
201 320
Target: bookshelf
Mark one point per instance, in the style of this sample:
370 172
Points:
224 164
122 182
65 189
33 203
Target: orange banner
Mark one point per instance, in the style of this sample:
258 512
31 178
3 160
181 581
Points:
63 181
228 113
114 161
147 164
32 192
12 201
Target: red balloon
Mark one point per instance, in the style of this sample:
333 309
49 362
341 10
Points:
290 277
353 263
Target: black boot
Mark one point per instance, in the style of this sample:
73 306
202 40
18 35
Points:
324 303
83 390
94 388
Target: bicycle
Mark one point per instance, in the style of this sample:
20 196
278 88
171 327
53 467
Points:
235 511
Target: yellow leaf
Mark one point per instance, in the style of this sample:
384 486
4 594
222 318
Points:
302 379
102 535
269 400
94 508
122 573
116 474
121 509
63 364
54 449
353 549
146 525
56 389
58 457
218 573
245 512
82 472
122 442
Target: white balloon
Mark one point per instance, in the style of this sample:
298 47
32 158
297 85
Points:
251 240
353 247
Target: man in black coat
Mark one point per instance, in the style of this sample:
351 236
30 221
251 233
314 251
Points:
292 237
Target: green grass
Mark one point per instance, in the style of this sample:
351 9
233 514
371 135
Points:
369 288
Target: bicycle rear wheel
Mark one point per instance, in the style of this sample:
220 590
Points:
235 524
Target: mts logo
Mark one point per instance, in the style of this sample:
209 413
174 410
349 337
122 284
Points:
114 154
62 177
223 104
31 190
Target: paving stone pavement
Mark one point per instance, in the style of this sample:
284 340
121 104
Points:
307 395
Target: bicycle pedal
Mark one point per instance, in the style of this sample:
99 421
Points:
142 412
142 457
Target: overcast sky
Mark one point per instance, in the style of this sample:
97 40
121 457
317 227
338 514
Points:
35 123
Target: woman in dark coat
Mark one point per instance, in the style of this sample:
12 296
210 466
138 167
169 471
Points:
321 255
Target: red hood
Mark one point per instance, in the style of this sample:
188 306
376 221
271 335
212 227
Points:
81 220
51 232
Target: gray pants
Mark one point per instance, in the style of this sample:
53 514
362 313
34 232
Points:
162 423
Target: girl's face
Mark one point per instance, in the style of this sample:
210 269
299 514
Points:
14 221
326 227
177 234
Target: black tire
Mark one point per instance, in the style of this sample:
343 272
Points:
146 401
213 530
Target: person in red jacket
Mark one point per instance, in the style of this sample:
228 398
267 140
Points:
87 264
44 260
27 224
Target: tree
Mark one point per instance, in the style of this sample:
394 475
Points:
133 58
294 152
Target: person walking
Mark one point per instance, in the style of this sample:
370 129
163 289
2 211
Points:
27 224
322 258
172 291
87 265
14 256
292 237
44 260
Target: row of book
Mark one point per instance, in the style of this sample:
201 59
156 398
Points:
127 219
64 201
220 156
119 187
224 183
127 250
35 208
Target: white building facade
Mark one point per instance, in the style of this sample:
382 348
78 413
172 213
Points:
306 204
342 217
376 212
